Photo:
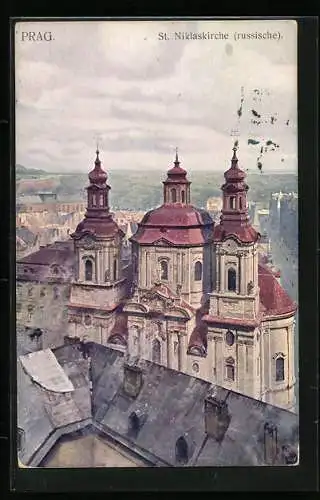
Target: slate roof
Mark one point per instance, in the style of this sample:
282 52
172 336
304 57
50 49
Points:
173 403
46 415
26 235
170 403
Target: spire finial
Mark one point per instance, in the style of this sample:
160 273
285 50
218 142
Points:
97 153
235 149
177 159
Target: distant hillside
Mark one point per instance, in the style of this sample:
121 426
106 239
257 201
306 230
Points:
23 172
134 190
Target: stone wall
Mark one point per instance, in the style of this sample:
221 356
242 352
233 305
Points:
44 305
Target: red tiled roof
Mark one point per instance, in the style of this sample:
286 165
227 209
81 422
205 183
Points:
244 234
274 299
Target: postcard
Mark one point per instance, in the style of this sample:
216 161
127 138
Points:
156 243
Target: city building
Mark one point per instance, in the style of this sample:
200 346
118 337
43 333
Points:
196 297
88 405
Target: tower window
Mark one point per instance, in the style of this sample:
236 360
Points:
240 203
279 369
94 200
173 195
232 280
181 450
232 202
115 270
164 269
88 270
198 271
156 351
182 197
230 369
101 200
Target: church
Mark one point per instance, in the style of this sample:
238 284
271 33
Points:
195 296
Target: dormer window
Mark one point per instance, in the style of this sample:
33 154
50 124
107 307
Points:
182 450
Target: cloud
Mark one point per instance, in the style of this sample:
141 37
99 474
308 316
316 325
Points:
141 97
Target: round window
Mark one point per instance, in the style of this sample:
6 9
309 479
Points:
195 367
87 320
229 338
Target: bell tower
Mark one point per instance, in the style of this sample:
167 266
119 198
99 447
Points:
235 288
99 285
176 188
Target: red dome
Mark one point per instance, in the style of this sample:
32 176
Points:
177 170
180 225
234 173
98 175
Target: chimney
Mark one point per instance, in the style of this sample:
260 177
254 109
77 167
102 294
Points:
217 417
133 379
270 443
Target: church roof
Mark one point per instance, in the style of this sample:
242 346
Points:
274 300
175 225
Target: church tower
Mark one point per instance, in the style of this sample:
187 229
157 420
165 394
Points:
172 260
235 287
99 286
234 311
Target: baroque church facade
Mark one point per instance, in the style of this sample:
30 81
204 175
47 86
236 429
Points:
195 296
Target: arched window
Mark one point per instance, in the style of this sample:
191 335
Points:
94 200
182 450
164 269
173 195
198 271
182 197
230 369
101 200
115 270
88 270
279 369
232 202
107 275
156 351
229 338
240 203
232 280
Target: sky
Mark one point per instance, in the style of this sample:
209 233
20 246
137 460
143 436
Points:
140 97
